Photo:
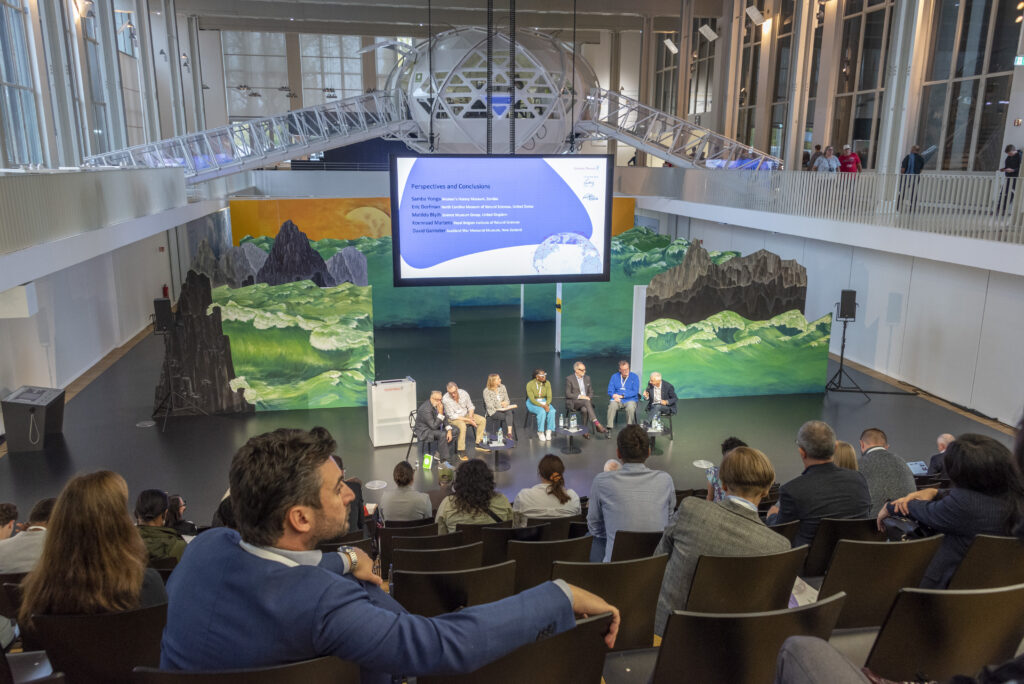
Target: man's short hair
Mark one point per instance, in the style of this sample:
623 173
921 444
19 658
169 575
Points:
817 439
747 472
634 444
577 365
436 393
731 443
1009 149
915 149
945 439
623 362
151 504
8 512
41 511
403 474
611 464
655 374
874 437
273 472
451 384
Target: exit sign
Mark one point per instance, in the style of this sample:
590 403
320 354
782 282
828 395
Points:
1018 60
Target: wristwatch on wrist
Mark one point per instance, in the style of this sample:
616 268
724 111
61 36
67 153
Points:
353 559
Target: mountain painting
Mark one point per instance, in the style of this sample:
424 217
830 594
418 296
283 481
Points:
734 328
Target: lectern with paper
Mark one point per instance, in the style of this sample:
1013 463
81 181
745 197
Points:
389 403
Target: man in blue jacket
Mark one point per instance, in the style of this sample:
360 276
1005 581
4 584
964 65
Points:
623 393
265 596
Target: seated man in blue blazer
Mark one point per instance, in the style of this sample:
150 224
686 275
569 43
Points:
265 595
661 397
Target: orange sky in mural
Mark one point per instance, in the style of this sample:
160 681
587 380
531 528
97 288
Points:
348 218
340 218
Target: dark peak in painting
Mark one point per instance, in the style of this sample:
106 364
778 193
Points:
292 259
348 266
757 286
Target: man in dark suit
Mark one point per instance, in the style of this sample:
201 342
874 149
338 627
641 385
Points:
935 463
823 490
660 396
579 395
432 425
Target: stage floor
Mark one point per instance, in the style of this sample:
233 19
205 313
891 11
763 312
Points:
193 455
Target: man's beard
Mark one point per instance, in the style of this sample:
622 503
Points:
324 530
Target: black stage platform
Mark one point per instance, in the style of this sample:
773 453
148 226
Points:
193 455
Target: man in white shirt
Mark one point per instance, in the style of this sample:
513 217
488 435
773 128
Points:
21 552
460 409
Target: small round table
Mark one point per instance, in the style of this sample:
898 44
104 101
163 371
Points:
507 443
570 448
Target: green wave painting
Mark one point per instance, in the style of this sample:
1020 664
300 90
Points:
726 355
299 346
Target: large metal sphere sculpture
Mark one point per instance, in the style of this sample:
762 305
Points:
456 99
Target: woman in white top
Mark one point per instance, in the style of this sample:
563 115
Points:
828 162
550 498
500 412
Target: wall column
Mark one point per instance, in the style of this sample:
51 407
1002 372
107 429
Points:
804 21
614 66
646 72
902 86
294 57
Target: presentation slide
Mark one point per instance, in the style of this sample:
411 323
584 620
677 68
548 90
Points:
459 220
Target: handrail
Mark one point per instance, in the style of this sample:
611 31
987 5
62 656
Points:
260 142
609 114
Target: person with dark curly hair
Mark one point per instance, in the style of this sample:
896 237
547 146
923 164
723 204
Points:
633 498
473 499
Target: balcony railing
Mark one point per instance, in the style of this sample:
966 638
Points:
988 207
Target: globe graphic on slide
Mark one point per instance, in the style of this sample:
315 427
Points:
566 253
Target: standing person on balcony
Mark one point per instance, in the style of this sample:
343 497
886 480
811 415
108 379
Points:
849 161
814 158
1011 167
910 169
827 162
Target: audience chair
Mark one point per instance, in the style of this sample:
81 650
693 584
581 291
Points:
165 574
102 648
168 563
496 540
408 523
871 574
933 634
578 529
534 559
29 666
353 536
434 593
631 586
990 562
326 670
529 423
9 609
474 532
788 530
744 584
830 531
558 528
365 543
730 647
12 594
630 545
438 560
574 656
437 541
386 534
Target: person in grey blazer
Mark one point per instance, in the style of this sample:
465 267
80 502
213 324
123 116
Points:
730 527
889 477
21 552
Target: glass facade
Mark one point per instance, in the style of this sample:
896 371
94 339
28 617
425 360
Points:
18 111
666 73
751 62
332 69
781 82
702 68
255 71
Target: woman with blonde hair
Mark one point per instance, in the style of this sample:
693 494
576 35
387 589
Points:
500 412
845 456
93 559
548 499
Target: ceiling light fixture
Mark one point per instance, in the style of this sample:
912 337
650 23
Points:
671 46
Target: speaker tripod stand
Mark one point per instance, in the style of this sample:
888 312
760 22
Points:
835 383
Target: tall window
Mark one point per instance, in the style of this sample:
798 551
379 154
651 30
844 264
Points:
255 73
388 59
127 31
666 74
967 84
780 89
702 68
20 134
748 80
861 86
332 69
812 90
99 134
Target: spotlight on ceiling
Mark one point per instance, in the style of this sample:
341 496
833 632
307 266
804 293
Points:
671 46
708 33
755 15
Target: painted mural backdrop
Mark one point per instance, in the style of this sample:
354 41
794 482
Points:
734 327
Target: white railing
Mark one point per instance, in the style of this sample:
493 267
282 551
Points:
261 142
988 207
613 115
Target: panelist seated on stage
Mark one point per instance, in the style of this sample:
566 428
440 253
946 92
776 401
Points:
538 402
623 393
579 395
462 413
404 503
266 596
500 411
432 425
548 499
473 500
661 398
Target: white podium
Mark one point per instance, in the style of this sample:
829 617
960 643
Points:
388 403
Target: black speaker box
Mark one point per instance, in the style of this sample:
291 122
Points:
32 415
848 304
163 319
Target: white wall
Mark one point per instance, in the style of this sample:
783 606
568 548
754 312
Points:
84 312
951 330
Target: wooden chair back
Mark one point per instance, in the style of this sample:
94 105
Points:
558 528
830 531
386 534
496 539
326 670
434 593
631 545
744 584
534 559
990 562
438 560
